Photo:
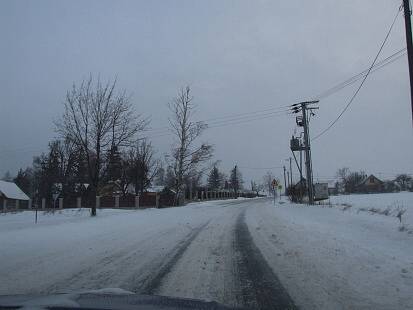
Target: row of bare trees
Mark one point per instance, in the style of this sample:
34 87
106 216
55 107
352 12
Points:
102 143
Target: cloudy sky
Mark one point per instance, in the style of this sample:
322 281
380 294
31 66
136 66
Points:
238 57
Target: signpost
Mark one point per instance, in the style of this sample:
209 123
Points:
280 188
274 185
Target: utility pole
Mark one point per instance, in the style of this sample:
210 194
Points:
309 173
285 182
288 179
408 26
291 174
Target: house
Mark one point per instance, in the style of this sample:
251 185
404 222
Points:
333 187
11 196
370 184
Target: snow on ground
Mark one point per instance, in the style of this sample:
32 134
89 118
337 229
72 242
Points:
390 201
326 258
330 259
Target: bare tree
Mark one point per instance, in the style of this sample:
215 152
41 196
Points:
186 154
268 178
342 174
143 167
403 180
66 152
257 187
96 118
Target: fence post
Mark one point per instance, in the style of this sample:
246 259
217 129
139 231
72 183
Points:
60 203
43 203
97 202
116 201
157 200
79 202
30 204
17 204
137 201
4 204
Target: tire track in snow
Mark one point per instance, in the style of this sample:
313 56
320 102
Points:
151 284
98 273
261 288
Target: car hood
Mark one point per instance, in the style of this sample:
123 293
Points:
105 299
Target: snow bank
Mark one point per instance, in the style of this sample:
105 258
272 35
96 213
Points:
388 201
330 259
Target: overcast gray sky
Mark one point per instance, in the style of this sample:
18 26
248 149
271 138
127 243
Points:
238 56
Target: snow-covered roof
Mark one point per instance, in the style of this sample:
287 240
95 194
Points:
12 191
155 189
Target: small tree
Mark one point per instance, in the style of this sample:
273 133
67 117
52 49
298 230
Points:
257 187
159 178
170 177
24 180
352 180
214 179
342 175
403 180
235 180
115 164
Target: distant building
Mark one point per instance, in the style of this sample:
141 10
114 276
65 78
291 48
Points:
11 196
333 187
370 184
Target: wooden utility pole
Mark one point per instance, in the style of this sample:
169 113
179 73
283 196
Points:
288 178
285 182
291 173
409 43
309 172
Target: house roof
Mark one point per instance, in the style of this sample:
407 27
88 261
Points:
11 191
368 177
155 189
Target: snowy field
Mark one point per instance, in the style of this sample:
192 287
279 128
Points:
383 202
238 252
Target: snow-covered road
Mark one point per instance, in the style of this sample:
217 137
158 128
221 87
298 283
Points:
237 252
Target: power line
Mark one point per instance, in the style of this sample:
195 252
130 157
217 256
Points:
384 62
236 122
228 119
362 82
234 118
260 168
